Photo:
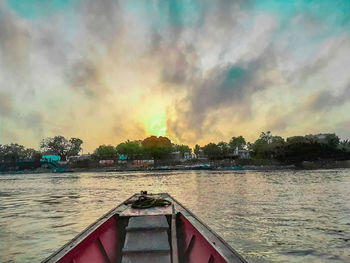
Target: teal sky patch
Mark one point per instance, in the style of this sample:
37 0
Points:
235 77
32 9
333 12
165 13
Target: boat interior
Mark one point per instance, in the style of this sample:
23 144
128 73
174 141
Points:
161 234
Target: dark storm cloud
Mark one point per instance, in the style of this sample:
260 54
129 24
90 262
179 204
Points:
84 77
325 99
231 85
180 65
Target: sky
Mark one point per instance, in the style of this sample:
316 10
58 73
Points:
193 70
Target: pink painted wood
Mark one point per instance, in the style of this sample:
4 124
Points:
195 247
101 246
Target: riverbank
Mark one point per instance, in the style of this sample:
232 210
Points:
215 166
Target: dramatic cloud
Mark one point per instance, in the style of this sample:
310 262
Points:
194 70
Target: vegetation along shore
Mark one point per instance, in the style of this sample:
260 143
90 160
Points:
59 154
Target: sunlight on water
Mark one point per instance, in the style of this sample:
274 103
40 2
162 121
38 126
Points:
279 216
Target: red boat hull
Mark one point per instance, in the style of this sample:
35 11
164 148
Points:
102 242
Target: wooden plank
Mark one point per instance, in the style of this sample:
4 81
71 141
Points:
147 222
147 258
149 240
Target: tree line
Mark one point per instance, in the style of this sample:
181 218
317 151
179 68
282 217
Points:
152 147
290 150
267 146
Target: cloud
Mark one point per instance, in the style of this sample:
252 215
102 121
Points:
209 68
14 40
325 100
224 87
34 121
6 104
84 76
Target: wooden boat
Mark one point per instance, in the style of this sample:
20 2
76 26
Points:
160 234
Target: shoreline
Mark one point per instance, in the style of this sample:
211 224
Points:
304 166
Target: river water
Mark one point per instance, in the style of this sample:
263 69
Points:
275 216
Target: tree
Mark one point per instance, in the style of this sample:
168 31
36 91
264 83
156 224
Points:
197 149
268 146
332 140
31 154
345 145
129 148
224 149
237 142
276 147
74 146
266 137
212 150
105 152
12 152
157 147
182 149
57 145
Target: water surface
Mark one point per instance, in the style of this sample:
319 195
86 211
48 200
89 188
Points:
275 216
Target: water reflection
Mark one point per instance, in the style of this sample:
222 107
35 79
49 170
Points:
289 216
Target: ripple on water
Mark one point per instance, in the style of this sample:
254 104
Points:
277 216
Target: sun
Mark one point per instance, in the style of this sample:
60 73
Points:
156 124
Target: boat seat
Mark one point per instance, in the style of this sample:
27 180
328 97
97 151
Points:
146 240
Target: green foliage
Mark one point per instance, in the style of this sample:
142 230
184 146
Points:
299 148
14 152
237 142
224 149
182 149
74 146
59 145
344 145
212 150
268 146
157 147
129 148
197 149
105 152
11 152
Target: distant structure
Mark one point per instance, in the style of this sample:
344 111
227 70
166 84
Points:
51 158
143 163
106 162
201 155
181 157
76 158
241 153
123 157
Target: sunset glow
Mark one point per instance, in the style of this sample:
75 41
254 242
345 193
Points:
195 71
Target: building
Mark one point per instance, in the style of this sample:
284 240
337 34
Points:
201 155
76 158
241 153
143 163
51 158
106 162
